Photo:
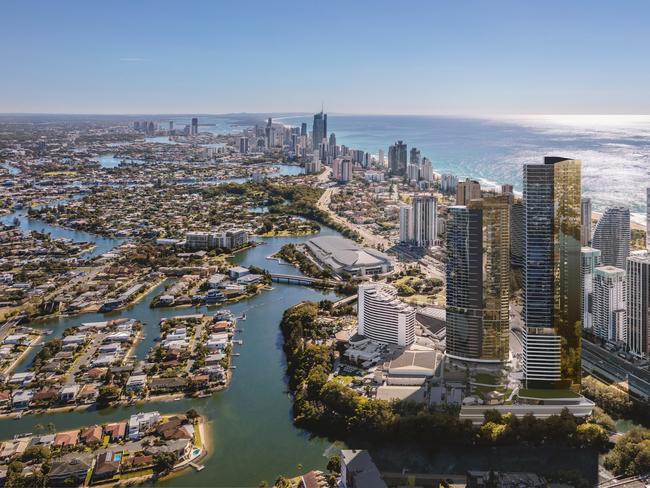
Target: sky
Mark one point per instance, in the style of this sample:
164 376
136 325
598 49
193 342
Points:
453 57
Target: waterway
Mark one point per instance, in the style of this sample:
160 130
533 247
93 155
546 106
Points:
251 422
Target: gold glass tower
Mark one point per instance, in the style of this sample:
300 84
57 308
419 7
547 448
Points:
478 280
552 223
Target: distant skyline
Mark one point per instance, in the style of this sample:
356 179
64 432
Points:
471 58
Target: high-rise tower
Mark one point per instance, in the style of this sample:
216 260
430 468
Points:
552 295
478 280
612 236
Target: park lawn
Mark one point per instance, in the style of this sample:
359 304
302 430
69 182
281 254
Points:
541 393
486 379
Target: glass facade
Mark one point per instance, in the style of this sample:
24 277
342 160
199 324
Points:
552 273
478 280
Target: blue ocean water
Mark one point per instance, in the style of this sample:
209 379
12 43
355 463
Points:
615 150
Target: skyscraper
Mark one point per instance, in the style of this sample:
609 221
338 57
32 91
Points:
551 284
467 191
243 145
590 258
638 303
415 156
381 161
331 150
397 159
303 129
612 236
609 304
195 126
478 280
517 234
405 224
425 208
647 221
585 233
426 170
319 129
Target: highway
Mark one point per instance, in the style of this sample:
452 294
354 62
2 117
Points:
609 366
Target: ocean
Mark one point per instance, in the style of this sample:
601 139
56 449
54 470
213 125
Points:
615 150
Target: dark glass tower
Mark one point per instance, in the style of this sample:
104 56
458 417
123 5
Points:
552 224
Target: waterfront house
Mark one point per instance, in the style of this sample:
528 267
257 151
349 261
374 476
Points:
46 395
14 447
5 398
88 393
70 438
136 382
214 359
182 448
136 463
167 385
17 339
69 393
249 279
117 431
21 399
74 339
91 435
73 466
175 428
237 272
140 423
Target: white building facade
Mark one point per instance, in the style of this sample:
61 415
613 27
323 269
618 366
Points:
383 318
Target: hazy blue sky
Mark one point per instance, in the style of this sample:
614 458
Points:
410 57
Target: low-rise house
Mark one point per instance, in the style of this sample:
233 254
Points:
74 466
95 373
249 279
214 359
21 399
167 385
88 393
44 440
92 435
117 431
22 379
5 398
17 339
118 337
68 394
14 447
136 382
106 467
174 428
237 272
136 463
46 395
76 339
111 348
70 438
182 448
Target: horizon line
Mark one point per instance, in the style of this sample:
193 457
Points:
303 113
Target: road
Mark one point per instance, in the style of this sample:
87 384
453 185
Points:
609 366
369 239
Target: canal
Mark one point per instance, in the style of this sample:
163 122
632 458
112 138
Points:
253 436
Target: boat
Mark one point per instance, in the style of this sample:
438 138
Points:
242 317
